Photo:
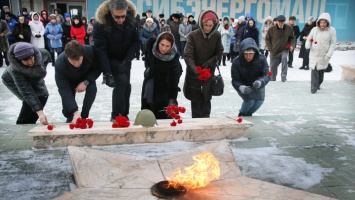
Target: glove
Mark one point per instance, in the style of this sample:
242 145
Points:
172 102
245 89
110 80
122 68
257 84
204 65
74 37
37 36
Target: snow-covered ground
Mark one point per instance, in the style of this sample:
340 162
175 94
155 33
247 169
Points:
44 174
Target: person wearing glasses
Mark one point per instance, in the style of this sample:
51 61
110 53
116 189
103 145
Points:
116 39
25 78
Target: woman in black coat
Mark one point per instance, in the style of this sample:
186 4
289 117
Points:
162 74
22 31
250 76
251 31
25 78
304 53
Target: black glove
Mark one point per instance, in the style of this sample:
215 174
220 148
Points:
204 65
147 72
110 80
172 102
257 84
74 37
245 89
122 68
38 36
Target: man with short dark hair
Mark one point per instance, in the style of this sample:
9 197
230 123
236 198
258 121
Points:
76 71
296 34
116 39
280 41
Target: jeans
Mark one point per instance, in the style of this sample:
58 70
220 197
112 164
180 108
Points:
182 48
27 116
250 106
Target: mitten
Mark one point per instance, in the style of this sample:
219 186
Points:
257 84
245 89
110 80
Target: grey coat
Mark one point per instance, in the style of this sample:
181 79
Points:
184 30
4 44
27 83
201 50
245 73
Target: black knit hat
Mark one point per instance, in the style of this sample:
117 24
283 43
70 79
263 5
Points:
24 9
190 16
161 15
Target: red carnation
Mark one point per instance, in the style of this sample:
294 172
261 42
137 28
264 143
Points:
77 125
269 74
50 127
90 124
114 125
239 120
312 40
182 109
288 46
173 123
315 42
198 69
71 126
179 121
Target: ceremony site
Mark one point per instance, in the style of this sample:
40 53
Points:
177 99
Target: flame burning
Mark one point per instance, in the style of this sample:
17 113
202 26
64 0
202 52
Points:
201 173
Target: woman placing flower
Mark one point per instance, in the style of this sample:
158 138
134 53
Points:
250 76
204 48
162 74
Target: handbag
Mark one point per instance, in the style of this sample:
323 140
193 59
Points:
217 84
329 68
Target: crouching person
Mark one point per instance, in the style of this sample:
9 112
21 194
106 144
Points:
76 71
250 76
25 78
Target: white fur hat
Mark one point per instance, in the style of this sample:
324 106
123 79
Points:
149 19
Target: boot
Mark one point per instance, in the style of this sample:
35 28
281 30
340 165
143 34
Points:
241 114
302 67
306 68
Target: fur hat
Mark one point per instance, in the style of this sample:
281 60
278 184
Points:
23 50
161 16
24 9
149 19
241 18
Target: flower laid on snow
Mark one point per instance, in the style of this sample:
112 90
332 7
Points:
204 74
50 127
82 123
269 74
121 122
173 111
311 40
239 120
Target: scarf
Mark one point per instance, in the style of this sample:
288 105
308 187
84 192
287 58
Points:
164 57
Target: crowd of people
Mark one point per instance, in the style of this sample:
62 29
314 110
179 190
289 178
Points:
109 42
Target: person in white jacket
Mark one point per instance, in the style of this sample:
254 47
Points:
37 30
321 42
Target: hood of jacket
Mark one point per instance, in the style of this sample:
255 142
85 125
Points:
200 25
269 18
248 43
251 27
37 71
324 16
76 25
103 13
39 16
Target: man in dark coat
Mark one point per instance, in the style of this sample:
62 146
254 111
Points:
296 34
25 79
204 48
174 26
116 39
279 41
249 77
76 71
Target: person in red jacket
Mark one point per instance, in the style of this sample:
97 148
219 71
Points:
77 30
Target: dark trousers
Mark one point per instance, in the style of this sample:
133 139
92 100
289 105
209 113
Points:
231 52
89 98
1 59
264 52
305 61
317 77
27 116
182 47
290 58
121 94
201 109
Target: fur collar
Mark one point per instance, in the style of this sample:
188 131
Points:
37 71
102 13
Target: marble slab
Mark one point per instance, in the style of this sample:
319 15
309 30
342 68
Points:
348 73
192 130
104 175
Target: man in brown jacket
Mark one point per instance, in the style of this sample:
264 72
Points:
279 40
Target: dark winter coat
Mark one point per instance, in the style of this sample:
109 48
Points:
22 29
4 43
166 76
296 33
194 25
251 32
304 53
174 26
238 36
277 39
148 32
112 40
66 33
245 73
201 50
67 75
27 83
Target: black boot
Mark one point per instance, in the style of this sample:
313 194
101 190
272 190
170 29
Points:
241 114
302 67
306 68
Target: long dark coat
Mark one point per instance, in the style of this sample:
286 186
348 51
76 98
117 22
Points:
166 77
304 53
245 73
22 29
201 50
4 43
27 83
